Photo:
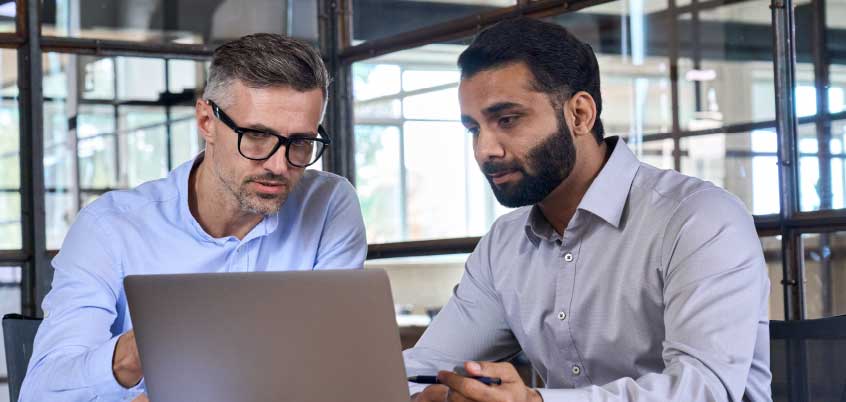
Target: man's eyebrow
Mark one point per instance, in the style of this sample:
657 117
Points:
467 120
262 128
500 107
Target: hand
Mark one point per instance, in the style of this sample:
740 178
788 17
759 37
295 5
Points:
126 365
512 389
141 398
432 393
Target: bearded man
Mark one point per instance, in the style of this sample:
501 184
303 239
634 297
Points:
619 281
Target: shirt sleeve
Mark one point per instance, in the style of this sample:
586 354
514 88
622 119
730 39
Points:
714 276
343 243
74 346
471 326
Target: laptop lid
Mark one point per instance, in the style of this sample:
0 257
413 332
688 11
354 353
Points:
268 336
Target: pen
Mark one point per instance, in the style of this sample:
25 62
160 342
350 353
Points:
430 379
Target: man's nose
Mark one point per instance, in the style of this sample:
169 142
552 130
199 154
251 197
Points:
487 146
278 162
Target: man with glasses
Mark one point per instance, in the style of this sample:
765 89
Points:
245 204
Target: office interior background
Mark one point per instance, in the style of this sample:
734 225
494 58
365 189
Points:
98 95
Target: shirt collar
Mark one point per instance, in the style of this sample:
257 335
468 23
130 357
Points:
182 175
606 197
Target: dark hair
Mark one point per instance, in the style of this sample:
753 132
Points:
561 64
263 60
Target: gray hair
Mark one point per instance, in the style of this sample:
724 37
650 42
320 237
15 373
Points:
265 60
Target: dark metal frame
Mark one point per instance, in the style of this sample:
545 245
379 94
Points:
335 18
34 256
790 223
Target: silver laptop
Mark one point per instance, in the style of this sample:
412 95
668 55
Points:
314 336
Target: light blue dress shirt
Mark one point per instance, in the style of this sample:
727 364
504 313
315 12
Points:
656 291
150 230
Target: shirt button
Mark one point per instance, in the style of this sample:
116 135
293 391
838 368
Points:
568 257
577 370
562 315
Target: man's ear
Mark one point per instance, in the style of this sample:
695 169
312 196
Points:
205 120
582 108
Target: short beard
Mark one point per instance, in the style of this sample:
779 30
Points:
252 202
552 161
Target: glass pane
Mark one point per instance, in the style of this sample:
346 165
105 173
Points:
9 145
10 179
725 69
656 153
822 178
90 134
8 12
744 164
96 147
375 19
174 21
406 113
10 302
61 212
129 87
772 255
378 181
630 46
184 140
436 105
10 221
142 140
185 75
825 274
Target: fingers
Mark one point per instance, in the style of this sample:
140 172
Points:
432 393
467 387
504 371
457 397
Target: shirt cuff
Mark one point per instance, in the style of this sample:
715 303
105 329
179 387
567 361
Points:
99 366
564 395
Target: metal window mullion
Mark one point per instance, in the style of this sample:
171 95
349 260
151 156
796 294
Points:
784 77
333 26
674 83
36 275
823 132
168 131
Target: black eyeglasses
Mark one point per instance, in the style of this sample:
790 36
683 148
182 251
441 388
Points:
301 149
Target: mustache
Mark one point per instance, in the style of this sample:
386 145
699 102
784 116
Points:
270 177
493 168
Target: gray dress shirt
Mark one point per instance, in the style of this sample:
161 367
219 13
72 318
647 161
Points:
657 291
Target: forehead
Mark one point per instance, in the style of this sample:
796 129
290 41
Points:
509 83
279 105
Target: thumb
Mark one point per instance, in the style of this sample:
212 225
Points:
504 371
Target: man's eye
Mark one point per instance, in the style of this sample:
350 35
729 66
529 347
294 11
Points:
300 142
508 121
257 135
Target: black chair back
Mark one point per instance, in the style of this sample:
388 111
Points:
808 360
18 336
